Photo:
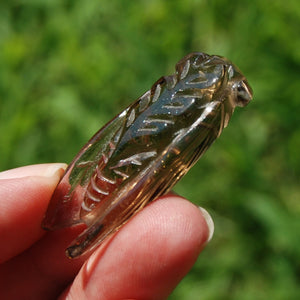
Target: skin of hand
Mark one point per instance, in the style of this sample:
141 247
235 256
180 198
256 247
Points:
145 259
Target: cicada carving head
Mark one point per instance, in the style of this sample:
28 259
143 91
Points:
217 76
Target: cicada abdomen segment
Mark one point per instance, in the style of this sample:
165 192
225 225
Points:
148 147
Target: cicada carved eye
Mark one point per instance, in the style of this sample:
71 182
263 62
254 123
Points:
243 93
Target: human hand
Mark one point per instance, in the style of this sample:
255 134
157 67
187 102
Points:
146 259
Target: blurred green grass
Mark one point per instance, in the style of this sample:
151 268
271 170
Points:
67 67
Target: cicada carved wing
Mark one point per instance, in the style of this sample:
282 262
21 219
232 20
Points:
66 203
147 148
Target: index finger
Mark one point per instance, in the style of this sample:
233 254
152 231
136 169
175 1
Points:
24 196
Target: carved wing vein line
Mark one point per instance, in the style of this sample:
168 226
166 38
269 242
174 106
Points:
151 130
86 208
122 174
102 177
135 159
185 70
156 93
92 197
96 188
150 121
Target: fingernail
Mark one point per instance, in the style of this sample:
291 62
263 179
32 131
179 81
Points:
43 170
209 222
54 169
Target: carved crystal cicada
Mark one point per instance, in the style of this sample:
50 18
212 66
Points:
142 152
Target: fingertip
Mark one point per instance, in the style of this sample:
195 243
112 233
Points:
183 219
43 170
24 196
155 249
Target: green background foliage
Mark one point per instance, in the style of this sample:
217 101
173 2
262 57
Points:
67 67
